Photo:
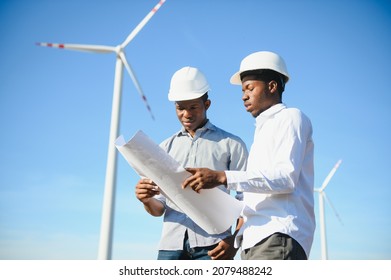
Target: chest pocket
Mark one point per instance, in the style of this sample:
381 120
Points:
214 156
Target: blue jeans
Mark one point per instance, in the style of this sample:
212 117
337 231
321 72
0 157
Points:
196 253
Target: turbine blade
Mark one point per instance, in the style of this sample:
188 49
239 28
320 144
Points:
135 81
77 47
331 174
332 207
142 23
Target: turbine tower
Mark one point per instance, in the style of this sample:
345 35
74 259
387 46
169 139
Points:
106 234
322 218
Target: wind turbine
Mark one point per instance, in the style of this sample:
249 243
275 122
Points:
322 197
106 234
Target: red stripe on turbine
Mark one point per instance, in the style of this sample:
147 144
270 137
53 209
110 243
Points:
158 6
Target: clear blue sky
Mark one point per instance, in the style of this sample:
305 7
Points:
55 108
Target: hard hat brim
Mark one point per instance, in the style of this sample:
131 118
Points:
235 78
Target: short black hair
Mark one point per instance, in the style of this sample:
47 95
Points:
205 97
267 75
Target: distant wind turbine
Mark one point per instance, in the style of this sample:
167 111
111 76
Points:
322 196
105 243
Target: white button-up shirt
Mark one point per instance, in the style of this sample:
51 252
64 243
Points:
278 184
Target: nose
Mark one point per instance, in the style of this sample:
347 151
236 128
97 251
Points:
244 96
187 114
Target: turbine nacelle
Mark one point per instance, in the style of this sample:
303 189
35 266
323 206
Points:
118 49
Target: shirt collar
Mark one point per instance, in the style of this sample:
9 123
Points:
269 113
208 126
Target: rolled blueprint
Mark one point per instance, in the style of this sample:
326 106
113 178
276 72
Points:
212 209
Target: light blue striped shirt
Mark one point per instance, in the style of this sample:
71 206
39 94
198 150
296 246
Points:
213 148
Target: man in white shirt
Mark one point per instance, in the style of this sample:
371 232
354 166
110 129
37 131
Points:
279 220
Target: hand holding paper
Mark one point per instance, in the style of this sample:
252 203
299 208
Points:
204 178
213 210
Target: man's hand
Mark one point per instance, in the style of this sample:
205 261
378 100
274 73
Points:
145 189
204 178
225 250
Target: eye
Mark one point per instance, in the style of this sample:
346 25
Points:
248 90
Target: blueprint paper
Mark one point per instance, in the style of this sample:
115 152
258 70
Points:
212 209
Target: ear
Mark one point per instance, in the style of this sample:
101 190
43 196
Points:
273 86
207 104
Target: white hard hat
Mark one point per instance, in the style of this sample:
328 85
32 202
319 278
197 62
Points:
187 83
261 60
